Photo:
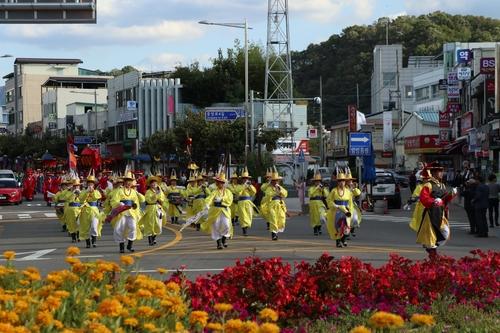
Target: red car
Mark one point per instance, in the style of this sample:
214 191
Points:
10 191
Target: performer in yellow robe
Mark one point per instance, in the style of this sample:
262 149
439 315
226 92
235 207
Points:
154 216
200 196
245 193
60 199
415 198
340 203
90 224
125 222
117 185
174 199
218 222
275 201
317 207
234 187
72 211
356 211
264 208
189 193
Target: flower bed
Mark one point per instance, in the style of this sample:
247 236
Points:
256 296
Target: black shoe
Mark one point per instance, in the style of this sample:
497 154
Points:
122 247
129 246
339 244
245 231
319 230
224 239
498 225
73 237
150 241
219 244
64 228
274 236
87 243
94 241
198 227
154 239
343 240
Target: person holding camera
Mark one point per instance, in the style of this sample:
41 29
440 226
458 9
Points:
317 208
246 192
339 214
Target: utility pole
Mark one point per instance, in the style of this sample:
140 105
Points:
252 122
387 32
357 96
321 144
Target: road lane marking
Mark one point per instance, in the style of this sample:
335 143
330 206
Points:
32 255
177 239
50 215
24 216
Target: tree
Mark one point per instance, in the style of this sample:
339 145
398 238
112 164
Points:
270 138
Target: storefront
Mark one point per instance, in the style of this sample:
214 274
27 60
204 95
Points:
425 148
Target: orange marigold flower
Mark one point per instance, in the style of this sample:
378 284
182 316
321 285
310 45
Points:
215 327
223 307
72 261
51 303
383 319
93 315
422 320
150 327
162 270
105 267
21 306
98 328
21 329
32 274
143 293
127 260
179 327
132 322
269 328
145 311
44 318
268 314
198 318
250 327
72 251
173 287
96 276
360 329
9 255
12 317
4 327
58 324
79 268
233 326
110 308
61 293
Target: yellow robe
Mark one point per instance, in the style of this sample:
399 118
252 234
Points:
214 212
188 194
356 192
245 204
89 210
72 212
275 203
171 209
419 208
234 207
135 197
106 205
317 208
150 221
264 207
61 197
339 203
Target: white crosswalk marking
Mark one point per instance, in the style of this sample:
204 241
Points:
1 217
50 215
404 219
24 216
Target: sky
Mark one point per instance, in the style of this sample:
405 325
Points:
161 34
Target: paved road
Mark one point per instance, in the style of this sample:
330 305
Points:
38 240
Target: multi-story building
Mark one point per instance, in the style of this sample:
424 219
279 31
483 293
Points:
4 117
140 104
76 101
23 92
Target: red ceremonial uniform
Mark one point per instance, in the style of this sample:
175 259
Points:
29 184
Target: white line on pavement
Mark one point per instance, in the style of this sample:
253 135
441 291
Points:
1 217
50 214
24 216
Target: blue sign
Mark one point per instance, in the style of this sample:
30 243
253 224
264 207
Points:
360 143
301 158
83 140
223 114
464 56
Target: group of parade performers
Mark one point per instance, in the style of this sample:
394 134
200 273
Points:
211 204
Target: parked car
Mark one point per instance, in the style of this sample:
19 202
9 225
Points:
401 180
385 186
10 191
7 174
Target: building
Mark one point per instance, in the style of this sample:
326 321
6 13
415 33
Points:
140 104
4 117
23 92
73 101
392 82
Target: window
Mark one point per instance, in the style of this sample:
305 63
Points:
388 106
435 90
19 92
409 92
9 96
422 93
389 79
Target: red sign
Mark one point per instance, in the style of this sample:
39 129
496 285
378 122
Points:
387 154
466 123
351 109
422 142
487 66
490 86
453 107
444 136
444 119
303 145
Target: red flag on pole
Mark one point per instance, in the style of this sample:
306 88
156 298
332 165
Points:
71 152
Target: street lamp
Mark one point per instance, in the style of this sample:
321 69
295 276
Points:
244 26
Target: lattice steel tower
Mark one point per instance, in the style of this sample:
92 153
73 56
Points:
278 93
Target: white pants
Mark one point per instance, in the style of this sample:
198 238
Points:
125 228
94 227
221 227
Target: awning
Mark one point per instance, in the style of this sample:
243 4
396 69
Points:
456 146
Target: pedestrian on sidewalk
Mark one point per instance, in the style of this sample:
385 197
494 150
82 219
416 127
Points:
469 185
493 200
480 203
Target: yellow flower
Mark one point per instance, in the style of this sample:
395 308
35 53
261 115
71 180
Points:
250 327
162 270
422 320
383 319
79 268
21 329
360 329
127 260
6 327
98 328
32 274
44 318
132 322
198 318
9 255
93 315
233 326
110 308
61 293
21 306
223 307
58 324
173 287
106 267
96 276
72 251
268 315
149 327
145 311
269 328
174 304
12 317
72 261
143 293
179 327
216 327
51 303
